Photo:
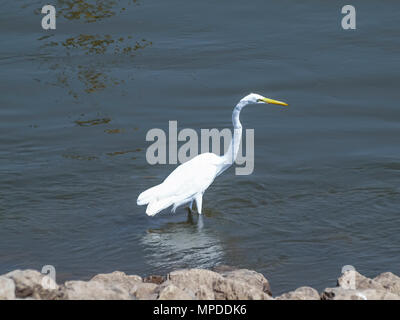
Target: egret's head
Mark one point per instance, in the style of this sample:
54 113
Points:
258 99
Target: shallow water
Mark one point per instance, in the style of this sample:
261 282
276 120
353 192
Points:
77 102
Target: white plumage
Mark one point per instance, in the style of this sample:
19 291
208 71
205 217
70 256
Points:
189 181
191 186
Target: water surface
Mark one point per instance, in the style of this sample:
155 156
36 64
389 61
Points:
77 102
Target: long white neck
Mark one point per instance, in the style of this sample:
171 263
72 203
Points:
230 156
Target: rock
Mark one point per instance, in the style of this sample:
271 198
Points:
229 289
95 290
154 279
389 281
221 283
302 293
353 280
198 281
132 284
208 285
29 283
118 279
145 291
354 286
339 293
7 288
168 291
250 277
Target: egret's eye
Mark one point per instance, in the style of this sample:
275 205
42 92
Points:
258 100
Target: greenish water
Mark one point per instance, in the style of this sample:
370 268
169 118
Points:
77 102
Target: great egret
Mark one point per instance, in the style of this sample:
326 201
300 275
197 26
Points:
189 181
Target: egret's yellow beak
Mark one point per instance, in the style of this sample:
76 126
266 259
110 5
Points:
271 101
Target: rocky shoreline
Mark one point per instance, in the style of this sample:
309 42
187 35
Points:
220 283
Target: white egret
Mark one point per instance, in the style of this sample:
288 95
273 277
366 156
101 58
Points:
189 181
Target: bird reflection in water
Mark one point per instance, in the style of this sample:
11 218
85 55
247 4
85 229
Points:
184 244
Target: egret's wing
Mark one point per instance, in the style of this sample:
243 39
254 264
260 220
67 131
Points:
191 177
184 182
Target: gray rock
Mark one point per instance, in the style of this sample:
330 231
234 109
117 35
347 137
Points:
145 291
302 293
354 280
132 284
389 281
198 281
29 283
118 278
354 286
206 285
232 289
95 290
7 288
339 293
169 291
252 278
154 279
222 283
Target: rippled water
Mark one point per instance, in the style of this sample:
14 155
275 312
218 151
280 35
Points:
77 102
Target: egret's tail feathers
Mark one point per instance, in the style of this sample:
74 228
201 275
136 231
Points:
147 196
156 206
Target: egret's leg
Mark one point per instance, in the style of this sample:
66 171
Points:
191 205
199 201
200 223
190 217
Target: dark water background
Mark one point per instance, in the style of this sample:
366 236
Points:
76 104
